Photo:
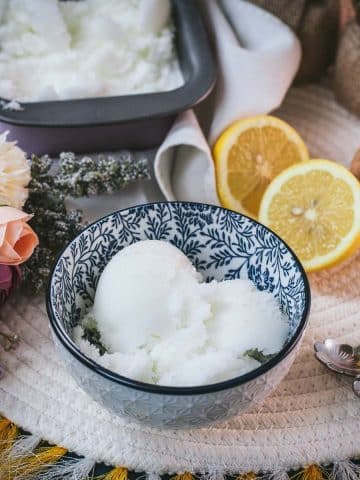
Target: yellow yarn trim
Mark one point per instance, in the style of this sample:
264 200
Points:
4 423
183 476
117 473
33 463
311 472
247 476
8 433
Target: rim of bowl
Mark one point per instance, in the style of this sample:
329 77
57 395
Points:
74 350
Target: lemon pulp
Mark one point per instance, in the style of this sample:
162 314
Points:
249 155
315 208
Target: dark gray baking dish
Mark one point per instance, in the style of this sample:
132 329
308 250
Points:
131 121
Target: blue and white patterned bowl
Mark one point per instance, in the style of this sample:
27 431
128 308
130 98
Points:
222 245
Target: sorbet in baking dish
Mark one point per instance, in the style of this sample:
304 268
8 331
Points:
60 50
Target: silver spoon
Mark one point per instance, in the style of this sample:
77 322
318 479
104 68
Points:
340 358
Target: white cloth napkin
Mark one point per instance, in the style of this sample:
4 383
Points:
257 57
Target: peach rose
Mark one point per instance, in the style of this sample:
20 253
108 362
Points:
17 239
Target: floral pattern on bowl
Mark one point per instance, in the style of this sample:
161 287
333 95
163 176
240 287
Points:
221 244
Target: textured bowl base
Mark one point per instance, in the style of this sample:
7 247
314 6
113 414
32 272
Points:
166 414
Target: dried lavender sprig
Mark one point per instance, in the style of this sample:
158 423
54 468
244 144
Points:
86 176
48 189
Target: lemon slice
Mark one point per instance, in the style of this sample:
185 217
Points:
315 207
248 155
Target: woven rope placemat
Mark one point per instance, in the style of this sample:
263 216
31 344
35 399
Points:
313 417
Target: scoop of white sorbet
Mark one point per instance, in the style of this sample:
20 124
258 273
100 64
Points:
146 294
161 324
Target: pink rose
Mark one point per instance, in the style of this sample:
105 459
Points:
17 239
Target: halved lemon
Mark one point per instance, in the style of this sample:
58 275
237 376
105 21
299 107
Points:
249 154
315 207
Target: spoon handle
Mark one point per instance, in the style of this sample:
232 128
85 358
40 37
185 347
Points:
356 386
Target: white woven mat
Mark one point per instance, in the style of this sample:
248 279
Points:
312 417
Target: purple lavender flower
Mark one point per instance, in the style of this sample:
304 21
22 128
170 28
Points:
10 278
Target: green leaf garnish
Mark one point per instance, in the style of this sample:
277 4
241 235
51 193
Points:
92 335
258 355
